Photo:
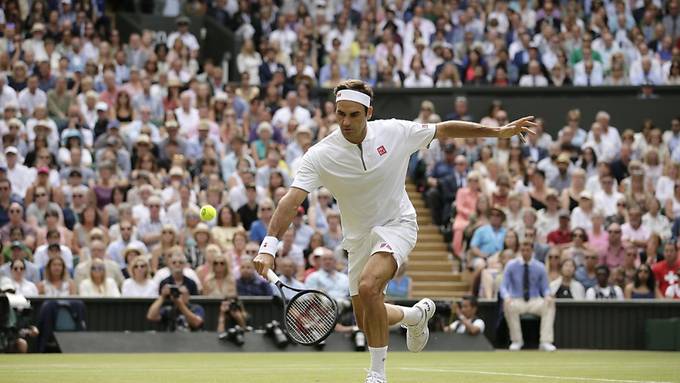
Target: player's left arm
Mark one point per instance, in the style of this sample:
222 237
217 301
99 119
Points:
464 129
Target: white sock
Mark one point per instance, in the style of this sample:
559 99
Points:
412 315
378 356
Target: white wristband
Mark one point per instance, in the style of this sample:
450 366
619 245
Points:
269 245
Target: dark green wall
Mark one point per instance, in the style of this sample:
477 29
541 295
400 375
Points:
623 104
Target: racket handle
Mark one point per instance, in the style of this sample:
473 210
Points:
271 275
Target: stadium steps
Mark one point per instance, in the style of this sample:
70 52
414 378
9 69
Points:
430 266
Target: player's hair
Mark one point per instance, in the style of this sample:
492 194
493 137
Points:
357 85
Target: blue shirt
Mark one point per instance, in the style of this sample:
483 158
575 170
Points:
253 287
258 231
488 240
581 275
513 280
399 288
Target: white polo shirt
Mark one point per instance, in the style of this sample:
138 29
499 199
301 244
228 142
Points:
368 179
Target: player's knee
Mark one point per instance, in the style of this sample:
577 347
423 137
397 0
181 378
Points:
369 287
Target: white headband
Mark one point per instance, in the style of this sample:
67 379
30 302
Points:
353 95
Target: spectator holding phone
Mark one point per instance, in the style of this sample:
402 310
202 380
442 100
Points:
467 322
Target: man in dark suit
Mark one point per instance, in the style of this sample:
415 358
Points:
446 178
270 66
532 150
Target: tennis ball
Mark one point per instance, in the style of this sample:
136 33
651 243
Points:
208 213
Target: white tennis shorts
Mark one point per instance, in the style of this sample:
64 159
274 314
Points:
397 237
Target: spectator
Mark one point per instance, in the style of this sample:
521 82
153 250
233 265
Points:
401 286
56 282
98 284
19 252
139 284
522 293
41 256
614 254
174 310
633 232
467 322
97 252
115 250
562 235
603 289
250 283
488 239
566 287
328 279
177 276
16 220
553 264
258 230
643 285
21 285
665 271
220 282
582 215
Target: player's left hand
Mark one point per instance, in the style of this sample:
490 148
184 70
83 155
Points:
519 127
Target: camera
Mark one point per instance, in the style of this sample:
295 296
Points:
234 335
234 304
274 331
174 291
358 339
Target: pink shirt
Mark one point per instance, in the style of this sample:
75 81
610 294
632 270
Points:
612 257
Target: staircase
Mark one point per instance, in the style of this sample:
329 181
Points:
429 265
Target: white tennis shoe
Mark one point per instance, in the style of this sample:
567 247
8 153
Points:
418 334
374 377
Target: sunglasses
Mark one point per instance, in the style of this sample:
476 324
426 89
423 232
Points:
15 211
615 231
265 209
40 195
219 263
125 228
98 268
554 256
4 188
168 232
251 251
177 262
140 266
18 269
577 235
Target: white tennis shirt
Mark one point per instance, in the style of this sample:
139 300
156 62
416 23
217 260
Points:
368 179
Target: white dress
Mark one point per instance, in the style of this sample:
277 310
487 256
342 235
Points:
132 288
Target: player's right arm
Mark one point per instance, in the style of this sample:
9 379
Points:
281 220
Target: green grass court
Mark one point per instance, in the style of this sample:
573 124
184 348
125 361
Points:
426 367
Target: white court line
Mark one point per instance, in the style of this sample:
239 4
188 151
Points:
528 375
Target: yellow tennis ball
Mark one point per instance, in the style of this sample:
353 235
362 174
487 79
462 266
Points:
208 213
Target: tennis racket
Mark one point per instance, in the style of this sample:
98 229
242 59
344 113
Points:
309 316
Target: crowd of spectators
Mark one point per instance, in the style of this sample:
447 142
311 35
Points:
449 43
591 201
109 147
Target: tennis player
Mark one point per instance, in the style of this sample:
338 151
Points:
364 164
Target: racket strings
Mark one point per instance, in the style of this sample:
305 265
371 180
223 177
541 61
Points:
310 317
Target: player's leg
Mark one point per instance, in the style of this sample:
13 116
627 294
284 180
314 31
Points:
395 314
371 312
374 278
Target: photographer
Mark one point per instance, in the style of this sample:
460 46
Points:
467 323
15 327
232 313
173 309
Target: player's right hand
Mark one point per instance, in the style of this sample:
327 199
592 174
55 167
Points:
263 262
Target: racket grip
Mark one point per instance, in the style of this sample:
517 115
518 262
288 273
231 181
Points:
271 275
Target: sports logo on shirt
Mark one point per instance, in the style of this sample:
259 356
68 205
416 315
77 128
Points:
385 245
381 150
